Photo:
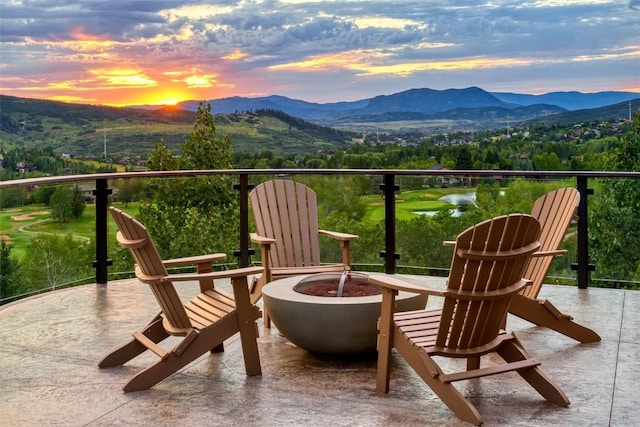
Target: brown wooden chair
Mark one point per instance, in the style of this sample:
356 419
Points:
286 219
486 272
554 211
205 322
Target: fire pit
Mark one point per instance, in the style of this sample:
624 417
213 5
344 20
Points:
308 311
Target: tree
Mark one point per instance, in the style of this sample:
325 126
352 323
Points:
10 197
61 204
614 229
56 260
78 204
188 216
129 190
9 272
464 160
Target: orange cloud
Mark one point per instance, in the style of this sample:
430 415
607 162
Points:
371 63
235 55
123 77
200 81
79 34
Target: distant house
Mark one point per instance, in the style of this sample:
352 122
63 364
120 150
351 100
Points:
86 192
22 167
444 180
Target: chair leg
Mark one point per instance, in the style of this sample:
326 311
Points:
157 372
154 331
430 373
266 319
255 293
176 359
473 363
450 395
543 313
385 339
513 351
247 326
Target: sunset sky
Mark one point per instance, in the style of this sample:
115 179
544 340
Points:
124 52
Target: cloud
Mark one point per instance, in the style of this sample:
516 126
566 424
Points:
299 48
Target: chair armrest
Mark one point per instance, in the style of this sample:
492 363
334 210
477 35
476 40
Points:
198 259
226 274
345 237
401 285
449 243
488 295
261 240
550 253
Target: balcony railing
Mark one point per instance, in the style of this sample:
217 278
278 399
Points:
388 189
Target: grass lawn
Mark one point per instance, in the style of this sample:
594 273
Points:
409 202
21 225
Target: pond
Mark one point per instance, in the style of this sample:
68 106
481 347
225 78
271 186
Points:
461 200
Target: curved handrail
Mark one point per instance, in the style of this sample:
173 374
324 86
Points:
583 267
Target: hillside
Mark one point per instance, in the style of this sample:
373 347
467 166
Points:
426 110
85 130
258 124
619 110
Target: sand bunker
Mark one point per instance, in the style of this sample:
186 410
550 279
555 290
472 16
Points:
28 216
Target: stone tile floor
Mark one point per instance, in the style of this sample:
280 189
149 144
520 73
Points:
50 346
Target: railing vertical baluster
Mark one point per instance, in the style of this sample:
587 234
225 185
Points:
102 201
389 190
244 251
583 265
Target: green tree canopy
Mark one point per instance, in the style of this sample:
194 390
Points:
614 235
9 272
189 216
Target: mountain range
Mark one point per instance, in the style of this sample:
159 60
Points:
289 125
471 103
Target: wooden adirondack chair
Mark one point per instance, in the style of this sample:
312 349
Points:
554 211
286 218
486 272
205 322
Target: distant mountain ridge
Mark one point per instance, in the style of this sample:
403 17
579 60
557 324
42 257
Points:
570 100
472 103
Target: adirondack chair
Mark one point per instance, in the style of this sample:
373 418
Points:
486 272
554 210
286 218
205 322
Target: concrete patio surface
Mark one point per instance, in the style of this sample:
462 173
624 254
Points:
50 346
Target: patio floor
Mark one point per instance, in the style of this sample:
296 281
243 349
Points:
50 346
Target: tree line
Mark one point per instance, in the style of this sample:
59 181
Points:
198 215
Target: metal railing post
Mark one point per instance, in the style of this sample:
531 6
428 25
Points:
390 256
245 251
583 266
102 262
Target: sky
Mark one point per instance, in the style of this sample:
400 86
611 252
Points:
131 52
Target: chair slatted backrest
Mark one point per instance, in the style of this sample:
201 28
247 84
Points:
149 267
488 258
287 211
554 210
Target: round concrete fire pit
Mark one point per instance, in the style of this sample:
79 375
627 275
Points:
330 324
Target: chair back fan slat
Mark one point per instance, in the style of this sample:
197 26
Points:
554 211
472 323
287 212
148 265
308 208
